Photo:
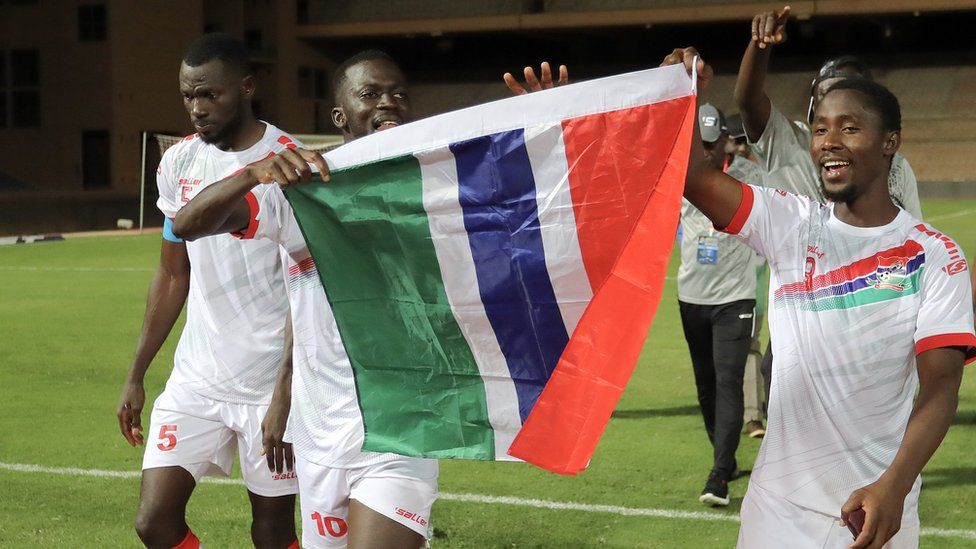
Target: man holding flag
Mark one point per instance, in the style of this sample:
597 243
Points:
475 285
869 304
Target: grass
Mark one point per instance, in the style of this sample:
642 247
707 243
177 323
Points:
71 311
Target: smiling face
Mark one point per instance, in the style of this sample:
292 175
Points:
850 146
217 99
372 97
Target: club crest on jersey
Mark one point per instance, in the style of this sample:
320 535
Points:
892 274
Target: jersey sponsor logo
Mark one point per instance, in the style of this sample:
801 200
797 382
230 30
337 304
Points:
949 244
411 516
814 250
188 188
892 274
955 267
284 476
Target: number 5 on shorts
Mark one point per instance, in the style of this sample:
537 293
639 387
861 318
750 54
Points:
167 434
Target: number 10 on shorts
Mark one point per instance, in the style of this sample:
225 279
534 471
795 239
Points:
167 436
329 526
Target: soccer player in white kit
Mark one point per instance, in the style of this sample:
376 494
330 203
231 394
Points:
227 360
349 497
867 305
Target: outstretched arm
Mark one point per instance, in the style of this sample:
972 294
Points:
713 192
223 208
939 376
768 29
167 294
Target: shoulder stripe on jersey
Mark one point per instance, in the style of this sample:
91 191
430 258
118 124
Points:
742 213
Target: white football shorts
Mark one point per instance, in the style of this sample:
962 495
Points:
403 490
772 522
200 434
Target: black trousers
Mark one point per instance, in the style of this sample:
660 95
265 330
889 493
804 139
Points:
718 337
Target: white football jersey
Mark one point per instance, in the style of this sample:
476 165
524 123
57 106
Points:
849 310
236 310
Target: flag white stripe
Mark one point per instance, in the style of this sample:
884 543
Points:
440 195
560 103
557 220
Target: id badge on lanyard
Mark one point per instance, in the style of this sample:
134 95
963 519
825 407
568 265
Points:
708 250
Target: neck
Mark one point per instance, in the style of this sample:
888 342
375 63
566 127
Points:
873 208
250 132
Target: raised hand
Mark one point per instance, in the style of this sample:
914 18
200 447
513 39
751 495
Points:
686 56
770 27
289 167
532 83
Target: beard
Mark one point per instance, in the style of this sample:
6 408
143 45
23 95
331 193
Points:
844 195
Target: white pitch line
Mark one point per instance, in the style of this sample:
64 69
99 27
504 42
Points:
951 215
471 498
77 269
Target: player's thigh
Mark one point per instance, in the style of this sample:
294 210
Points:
184 433
391 503
324 499
259 479
163 494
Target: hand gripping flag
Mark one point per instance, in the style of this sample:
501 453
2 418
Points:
494 271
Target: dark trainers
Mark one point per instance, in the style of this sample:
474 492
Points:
754 429
716 492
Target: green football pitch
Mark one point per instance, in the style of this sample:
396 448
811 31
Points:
70 313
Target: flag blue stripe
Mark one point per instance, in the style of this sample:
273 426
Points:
498 203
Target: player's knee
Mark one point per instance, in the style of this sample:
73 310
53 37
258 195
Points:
271 532
155 531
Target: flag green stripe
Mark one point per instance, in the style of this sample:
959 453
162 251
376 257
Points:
419 387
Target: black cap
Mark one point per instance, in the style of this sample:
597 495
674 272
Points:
733 123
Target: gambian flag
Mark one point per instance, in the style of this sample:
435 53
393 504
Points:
494 271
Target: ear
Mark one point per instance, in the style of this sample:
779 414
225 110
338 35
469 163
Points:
339 118
248 85
892 143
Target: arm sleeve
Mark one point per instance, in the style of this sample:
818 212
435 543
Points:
768 219
166 184
904 186
270 214
945 316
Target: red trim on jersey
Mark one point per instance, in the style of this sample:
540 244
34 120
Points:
294 545
287 142
741 214
968 341
252 224
191 541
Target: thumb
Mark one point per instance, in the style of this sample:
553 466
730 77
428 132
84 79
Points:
852 504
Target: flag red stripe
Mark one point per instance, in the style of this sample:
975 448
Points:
627 171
